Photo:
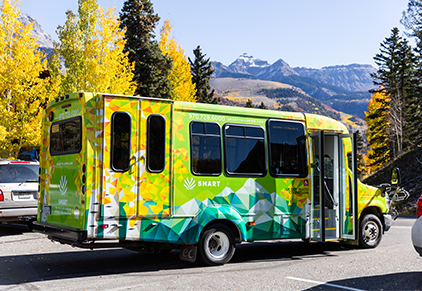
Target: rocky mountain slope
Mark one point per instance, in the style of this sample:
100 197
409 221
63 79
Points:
44 39
354 77
278 96
321 84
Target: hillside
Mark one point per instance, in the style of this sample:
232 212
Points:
278 96
354 77
410 165
344 88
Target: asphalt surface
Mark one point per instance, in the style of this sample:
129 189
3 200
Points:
29 261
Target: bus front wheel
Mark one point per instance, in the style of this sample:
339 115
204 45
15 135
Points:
370 231
216 245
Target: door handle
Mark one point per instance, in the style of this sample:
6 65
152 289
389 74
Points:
140 159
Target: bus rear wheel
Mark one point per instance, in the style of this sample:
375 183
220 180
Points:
216 245
370 231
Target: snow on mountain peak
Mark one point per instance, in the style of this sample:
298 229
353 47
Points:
246 60
44 39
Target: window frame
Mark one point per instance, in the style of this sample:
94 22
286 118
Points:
304 158
77 151
264 138
210 135
155 171
112 141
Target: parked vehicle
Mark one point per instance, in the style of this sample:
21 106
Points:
18 191
417 228
153 175
29 153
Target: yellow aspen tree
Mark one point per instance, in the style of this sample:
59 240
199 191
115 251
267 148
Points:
180 76
22 91
379 152
91 44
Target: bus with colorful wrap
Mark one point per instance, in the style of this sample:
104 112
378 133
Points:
152 175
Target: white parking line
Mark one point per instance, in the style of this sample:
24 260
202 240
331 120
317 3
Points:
325 283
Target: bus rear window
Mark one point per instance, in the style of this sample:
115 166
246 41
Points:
66 136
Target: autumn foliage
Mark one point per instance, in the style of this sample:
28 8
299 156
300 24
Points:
21 89
180 77
91 45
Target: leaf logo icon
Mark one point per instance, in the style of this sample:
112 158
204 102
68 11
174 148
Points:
189 184
63 185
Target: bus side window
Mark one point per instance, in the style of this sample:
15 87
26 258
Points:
287 148
205 148
156 141
120 141
244 150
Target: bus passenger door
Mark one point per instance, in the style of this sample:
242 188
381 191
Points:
334 184
317 172
120 170
154 195
348 186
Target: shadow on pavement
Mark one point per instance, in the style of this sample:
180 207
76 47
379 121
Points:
75 264
13 229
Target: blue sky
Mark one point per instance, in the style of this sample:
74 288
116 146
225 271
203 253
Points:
304 33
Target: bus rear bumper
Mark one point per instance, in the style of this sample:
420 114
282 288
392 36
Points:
69 234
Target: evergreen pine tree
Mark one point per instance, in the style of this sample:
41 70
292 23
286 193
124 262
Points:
411 87
394 78
151 66
412 19
201 70
262 106
249 104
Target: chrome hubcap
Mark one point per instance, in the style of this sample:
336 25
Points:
370 232
218 245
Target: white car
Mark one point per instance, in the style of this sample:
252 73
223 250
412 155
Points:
18 191
417 229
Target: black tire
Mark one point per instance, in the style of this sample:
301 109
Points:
30 225
216 245
370 231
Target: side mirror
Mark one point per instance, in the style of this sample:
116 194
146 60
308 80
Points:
395 177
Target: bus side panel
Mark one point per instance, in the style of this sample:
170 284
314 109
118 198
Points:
274 208
291 203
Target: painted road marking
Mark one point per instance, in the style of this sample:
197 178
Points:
325 283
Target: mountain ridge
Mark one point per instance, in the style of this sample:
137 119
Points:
246 64
343 87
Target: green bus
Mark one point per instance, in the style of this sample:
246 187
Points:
153 175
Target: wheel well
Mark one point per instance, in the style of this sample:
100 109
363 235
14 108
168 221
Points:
372 210
230 224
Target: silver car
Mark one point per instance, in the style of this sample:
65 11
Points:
18 191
